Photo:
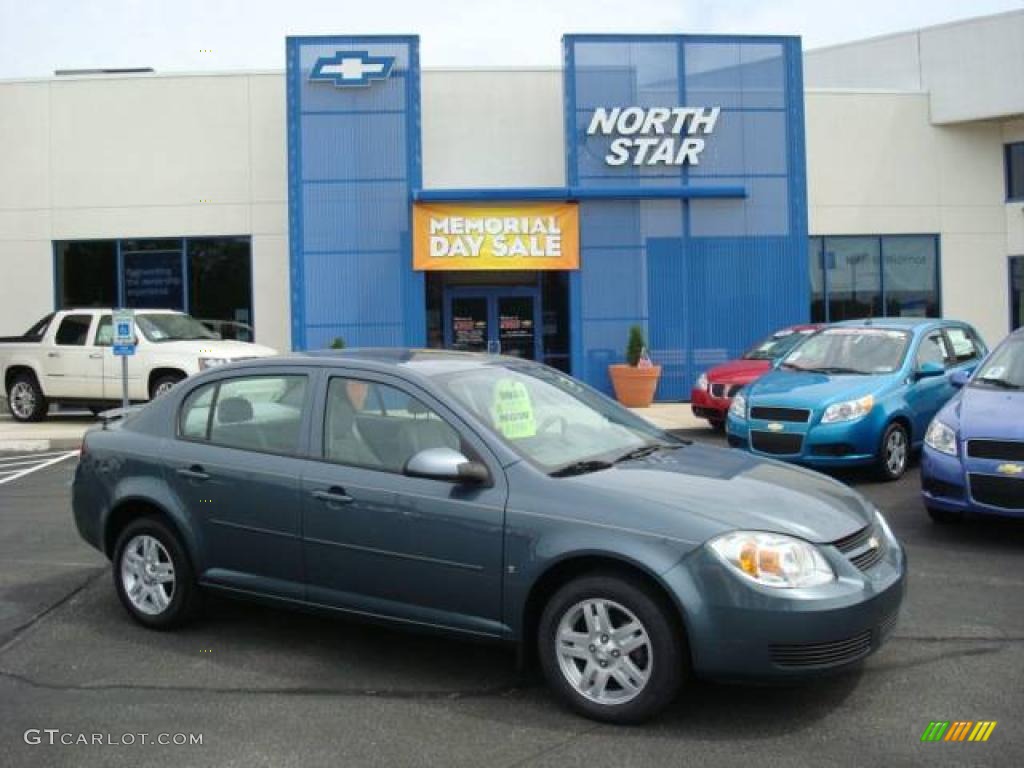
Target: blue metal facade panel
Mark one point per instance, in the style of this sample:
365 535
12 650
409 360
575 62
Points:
353 161
705 277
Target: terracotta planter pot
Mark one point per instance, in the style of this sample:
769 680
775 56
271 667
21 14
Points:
634 387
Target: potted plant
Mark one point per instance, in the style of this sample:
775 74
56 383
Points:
635 381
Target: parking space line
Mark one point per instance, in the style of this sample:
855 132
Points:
36 467
30 457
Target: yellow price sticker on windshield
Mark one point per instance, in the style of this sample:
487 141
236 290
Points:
513 411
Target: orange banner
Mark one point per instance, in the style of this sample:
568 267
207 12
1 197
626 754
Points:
483 236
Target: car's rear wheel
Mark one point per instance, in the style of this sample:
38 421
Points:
25 398
893 453
609 648
162 384
153 576
945 516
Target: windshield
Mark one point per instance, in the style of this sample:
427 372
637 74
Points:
850 350
171 326
1005 368
549 418
776 345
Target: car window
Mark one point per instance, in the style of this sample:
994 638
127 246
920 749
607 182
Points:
104 332
373 425
73 330
255 413
933 350
965 346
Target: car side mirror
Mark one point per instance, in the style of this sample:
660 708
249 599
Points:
960 378
930 370
446 464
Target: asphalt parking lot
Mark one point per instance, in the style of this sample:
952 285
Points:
267 687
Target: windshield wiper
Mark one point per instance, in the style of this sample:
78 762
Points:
1000 382
836 369
580 468
644 450
794 367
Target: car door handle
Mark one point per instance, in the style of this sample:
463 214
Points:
195 472
53 354
333 495
96 356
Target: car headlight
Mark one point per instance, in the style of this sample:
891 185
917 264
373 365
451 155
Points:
738 406
211 362
848 411
773 559
702 382
941 437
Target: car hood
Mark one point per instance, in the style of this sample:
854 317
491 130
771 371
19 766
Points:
993 413
739 371
226 348
722 490
810 390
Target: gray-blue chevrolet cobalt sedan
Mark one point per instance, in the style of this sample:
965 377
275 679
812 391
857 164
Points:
488 497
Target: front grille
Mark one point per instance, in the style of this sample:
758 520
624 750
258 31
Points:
725 390
832 449
1000 450
801 415
718 390
772 442
858 547
1004 492
822 654
938 487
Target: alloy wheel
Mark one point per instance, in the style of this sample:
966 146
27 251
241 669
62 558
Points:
147 575
22 400
896 452
604 651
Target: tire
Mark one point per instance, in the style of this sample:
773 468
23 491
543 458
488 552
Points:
945 516
718 425
656 668
163 383
25 399
893 453
151 602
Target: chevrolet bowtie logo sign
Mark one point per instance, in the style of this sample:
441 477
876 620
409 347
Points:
1009 469
347 68
775 427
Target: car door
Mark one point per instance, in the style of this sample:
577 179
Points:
73 364
926 394
234 465
384 543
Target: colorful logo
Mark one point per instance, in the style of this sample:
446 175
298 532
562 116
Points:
958 730
775 427
346 68
1009 469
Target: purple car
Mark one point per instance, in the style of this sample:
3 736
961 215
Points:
973 458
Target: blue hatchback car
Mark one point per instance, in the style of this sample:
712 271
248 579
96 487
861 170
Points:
973 458
860 392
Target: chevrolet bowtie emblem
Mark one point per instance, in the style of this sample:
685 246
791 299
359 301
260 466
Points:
776 427
1009 469
874 543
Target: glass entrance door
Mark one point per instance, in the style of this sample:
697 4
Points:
500 320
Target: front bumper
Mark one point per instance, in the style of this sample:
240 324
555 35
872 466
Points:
707 406
945 483
844 444
742 631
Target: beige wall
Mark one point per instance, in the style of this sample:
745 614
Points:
876 165
142 156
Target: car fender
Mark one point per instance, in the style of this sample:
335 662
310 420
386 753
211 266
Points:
25 359
154 490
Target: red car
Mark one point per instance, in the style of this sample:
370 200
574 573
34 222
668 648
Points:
712 395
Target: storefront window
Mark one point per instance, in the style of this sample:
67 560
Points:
872 276
210 278
86 273
1017 291
1015 171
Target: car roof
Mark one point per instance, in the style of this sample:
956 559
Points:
425 362
894 323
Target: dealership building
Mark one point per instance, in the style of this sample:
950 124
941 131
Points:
708 188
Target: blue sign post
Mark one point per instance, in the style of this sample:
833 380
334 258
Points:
124 345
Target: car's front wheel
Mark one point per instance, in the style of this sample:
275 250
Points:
153 576
609 648
894 452
163 384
